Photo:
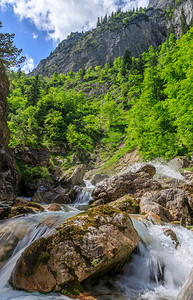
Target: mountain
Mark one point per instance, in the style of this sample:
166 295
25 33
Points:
131 30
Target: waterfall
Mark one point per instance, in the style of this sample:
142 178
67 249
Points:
85 195
16 234
156 272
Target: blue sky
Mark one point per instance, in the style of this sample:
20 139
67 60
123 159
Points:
39 25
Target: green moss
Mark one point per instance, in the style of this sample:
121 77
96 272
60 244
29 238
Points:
73 288
35 205
38 253
70 231
44 258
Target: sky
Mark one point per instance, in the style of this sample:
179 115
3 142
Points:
39 25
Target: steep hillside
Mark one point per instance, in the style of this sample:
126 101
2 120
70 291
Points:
131 30
8 173
176 11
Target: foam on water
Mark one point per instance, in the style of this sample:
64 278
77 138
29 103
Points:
157 271
28 228
85 195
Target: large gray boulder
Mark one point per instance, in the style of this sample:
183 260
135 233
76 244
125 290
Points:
73 177
87 245
133 183
169 204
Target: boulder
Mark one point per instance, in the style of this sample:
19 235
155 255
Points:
51 197
169 232
84 246
53 207
73 177
126 204
97 178
133 183
22 202
186 292
170 205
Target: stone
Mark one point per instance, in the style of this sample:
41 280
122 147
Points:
95 242
97 178
95 48
73 177
53 207
9 178
126 204
169 232
31 156
134 183
51 197
22 202
186 292
170 204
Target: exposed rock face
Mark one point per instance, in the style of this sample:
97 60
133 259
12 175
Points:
169 204
161 3
82 247
186 292
133 183
9 178
32 156
186 5
94 48
68 180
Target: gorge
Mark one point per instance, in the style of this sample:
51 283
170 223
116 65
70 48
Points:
96 185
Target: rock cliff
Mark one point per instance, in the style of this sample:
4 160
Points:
135 33
175 8
8 175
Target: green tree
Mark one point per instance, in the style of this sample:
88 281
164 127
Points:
34 92
126 63
9 54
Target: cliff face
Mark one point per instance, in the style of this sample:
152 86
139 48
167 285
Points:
176 11
109 40
8 175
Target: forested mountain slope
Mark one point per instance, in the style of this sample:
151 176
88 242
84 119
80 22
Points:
145 103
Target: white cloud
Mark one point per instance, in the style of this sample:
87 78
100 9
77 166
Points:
60 17
28 65
34 35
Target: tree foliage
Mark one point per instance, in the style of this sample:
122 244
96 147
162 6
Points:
148 106
9 54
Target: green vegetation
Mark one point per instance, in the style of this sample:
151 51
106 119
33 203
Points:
144 103
10 56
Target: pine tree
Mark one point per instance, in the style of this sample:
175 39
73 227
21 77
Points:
98 22
34 92
127 61
9 54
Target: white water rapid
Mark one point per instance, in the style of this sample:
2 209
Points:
85 195
157 271
16 235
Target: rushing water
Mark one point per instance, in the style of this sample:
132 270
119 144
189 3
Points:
16 235
156 272
85 195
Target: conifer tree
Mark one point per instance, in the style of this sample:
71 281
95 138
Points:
9 54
